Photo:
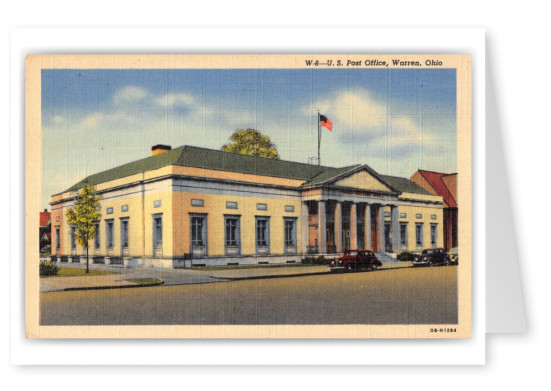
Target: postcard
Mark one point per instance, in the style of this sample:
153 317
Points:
248 196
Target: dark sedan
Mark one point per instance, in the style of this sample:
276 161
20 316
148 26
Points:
355 260
432 257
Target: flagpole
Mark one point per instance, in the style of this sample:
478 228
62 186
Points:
319 138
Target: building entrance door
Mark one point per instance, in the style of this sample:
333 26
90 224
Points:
388 242
373 239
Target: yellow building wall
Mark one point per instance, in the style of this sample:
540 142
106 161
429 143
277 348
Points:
235 176
168 226
426 212
57 221
215 209
135 231
140 224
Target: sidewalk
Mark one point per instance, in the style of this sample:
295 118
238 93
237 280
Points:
179 276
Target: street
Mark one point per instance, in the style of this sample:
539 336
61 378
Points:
395 296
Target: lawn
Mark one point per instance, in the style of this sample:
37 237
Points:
70 272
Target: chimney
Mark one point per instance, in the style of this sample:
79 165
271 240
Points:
160 148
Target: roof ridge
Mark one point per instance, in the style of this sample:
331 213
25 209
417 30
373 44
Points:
257 157
438 172
395 176
345 168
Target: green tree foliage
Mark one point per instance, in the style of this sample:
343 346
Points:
251 142
84 217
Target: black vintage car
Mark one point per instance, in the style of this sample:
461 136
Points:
432 257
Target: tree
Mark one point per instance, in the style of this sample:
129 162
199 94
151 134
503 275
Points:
251 142
84 217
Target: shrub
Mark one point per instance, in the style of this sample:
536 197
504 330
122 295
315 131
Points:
319 260
48 269
406 256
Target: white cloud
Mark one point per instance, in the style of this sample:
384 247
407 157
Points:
58 119
129 94
351 110
358 109
363 123
170 100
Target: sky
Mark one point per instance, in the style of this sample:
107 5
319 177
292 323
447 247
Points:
394 120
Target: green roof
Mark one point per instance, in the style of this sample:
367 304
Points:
190 156
404 185
148 164
235 162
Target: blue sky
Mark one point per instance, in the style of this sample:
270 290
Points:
395 120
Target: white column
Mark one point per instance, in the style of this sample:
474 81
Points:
367 227
322 226
338 227
396 245
304 227
382 228
353 227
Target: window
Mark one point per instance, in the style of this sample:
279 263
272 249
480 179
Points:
419 235
403 215
109 225
197 202
262 235
387 214
198 234
57 241
124 233
124 208
404 235
231 205
73 239
418 216
433 235
290 236
109 211
433 217
157 203
233 238
96 238
157 230
289 208
261 206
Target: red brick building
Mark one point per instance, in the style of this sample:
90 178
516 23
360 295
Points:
444 185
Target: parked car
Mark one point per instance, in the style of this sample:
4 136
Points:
432 257
355 260
454 255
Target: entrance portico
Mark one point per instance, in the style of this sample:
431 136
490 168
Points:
349 212
336 233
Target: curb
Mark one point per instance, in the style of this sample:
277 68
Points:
93 288
272 276
222 279
300 274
